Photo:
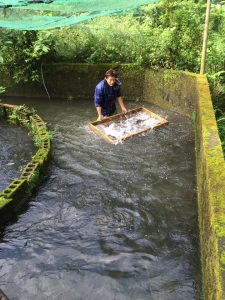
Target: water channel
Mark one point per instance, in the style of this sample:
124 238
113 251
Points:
109 221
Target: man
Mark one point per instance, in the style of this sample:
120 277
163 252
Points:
107 92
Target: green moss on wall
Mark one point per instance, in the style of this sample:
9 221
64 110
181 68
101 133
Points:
174 90
211 191
168 88
4 202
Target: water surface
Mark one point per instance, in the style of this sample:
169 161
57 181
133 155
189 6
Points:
16 149
128 125
111 221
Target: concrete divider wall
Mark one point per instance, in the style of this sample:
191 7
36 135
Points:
183 92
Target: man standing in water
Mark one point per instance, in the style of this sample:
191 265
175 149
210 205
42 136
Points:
107 92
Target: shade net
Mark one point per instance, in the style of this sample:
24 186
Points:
46 14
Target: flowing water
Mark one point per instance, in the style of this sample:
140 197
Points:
110 221
16 149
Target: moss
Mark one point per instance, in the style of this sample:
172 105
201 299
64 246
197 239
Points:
34 180
4 201
222 258
211 191
13 190
170 89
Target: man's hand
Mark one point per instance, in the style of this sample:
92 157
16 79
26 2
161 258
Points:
99 111
100 118
122 106
124 110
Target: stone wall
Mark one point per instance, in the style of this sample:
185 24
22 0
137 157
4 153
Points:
171 89
211 195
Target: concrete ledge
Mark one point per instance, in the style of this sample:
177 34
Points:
211 194
14 195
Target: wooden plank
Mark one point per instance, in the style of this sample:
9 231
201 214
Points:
117 116
153 115
99 132
8 105
121 116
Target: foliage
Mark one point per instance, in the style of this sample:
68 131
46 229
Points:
163 35
24 51
217 84
33 181
2 89
216 67
160 35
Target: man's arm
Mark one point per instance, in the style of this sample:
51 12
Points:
99 111
98 103
121 104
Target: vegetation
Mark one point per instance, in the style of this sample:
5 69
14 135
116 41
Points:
2 89
23 52
163 35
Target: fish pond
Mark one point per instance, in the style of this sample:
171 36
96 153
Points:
108 221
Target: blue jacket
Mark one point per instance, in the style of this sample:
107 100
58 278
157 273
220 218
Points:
105 96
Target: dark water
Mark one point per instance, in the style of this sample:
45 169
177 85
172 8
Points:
16 149
111 221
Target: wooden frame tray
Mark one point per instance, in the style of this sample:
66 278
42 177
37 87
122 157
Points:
93 125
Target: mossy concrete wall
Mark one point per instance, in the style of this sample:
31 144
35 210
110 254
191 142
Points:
183 92
211 194
75 81
171 89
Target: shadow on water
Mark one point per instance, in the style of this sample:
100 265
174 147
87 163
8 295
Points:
111 221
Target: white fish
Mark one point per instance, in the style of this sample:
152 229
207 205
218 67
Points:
130 125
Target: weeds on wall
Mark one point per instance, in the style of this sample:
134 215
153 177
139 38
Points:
33 181
217 86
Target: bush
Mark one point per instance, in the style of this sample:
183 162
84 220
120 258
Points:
24 51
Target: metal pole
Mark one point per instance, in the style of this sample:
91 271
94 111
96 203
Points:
205 39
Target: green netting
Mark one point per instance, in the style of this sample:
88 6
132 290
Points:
46 14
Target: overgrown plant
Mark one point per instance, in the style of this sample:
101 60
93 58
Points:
33 181
217 85
23 52
2 90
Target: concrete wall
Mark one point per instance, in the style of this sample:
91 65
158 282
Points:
76 81
179 91
189 93
173 90
211 194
